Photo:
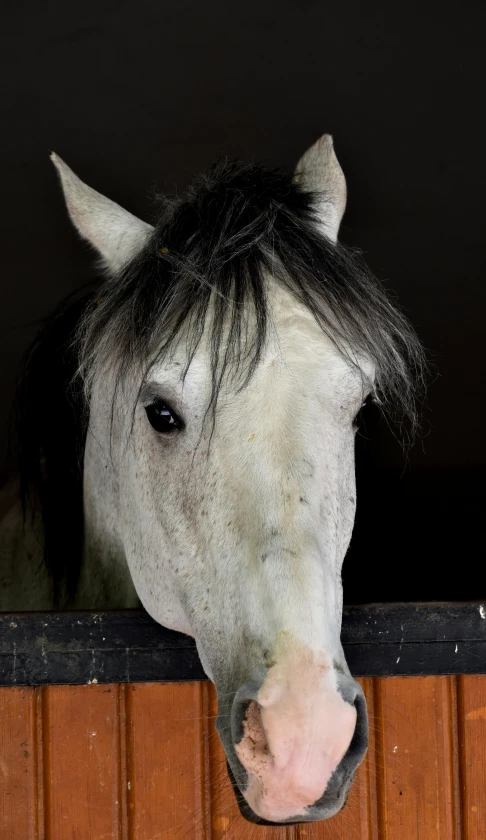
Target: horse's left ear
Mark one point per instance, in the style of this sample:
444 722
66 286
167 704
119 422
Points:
111 230
319 171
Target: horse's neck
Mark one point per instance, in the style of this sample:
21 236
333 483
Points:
105 581
25 584
24 581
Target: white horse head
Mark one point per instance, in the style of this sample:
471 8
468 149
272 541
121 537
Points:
226 362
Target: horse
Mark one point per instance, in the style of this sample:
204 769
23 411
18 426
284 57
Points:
187 434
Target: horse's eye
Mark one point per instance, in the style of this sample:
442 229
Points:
358 420
162 418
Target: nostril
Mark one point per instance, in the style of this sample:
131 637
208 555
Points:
253 744
242 704
359 742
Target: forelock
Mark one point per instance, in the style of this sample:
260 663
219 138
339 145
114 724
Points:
206 267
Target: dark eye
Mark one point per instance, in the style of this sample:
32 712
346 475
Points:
162 418
358 420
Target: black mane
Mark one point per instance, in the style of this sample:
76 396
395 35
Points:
205 266
50 433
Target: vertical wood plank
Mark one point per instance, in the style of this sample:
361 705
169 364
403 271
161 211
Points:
81 758
166 773
472 740
359 817
415 715
373 767
122 761
20 817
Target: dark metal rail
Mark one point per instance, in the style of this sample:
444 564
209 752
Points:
128 646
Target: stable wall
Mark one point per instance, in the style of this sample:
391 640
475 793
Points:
142 762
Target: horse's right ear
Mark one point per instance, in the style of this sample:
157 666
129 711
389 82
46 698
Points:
111 230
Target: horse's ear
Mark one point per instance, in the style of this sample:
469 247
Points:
111 230
319 171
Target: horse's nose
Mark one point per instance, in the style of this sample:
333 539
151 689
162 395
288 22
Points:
298 744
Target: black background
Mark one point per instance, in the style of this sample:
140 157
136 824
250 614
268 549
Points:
139 97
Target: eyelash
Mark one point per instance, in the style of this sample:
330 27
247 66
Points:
366 402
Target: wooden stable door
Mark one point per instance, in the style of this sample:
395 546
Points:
142 762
